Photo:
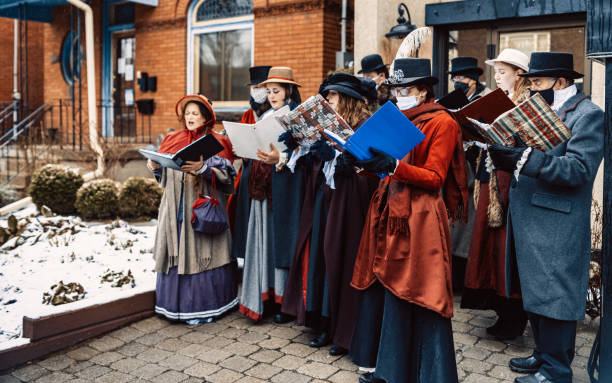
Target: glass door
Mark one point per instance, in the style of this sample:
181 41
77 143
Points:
123 85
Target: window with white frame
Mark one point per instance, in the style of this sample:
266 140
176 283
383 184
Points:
220 50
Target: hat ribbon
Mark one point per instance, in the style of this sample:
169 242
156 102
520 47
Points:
280 78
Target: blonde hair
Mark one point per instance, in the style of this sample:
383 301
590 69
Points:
351 109
521 86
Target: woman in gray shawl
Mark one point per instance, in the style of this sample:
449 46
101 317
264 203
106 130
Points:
196 279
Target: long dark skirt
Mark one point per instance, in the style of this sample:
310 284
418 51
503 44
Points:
416 345
204 295
243 209
366 337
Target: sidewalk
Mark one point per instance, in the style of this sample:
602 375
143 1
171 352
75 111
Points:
234 349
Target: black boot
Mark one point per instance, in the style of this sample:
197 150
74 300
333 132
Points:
281 318
369 377
514 320
337 350
528 365
320 341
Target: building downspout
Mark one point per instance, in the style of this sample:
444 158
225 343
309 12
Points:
343 27
94 140
16 95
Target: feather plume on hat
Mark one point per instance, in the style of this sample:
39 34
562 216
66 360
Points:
411 44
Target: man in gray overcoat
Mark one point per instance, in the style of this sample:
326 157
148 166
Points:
549 236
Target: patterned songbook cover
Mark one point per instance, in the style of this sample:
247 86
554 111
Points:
533 121
310 118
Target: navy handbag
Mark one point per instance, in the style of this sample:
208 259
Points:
208 216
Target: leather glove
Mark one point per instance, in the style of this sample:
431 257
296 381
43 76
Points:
344 164
504 157
380 163
322 150
287 139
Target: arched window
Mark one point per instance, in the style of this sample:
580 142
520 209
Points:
220 50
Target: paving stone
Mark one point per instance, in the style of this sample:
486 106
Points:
170 377
8 379
74 368
504 373
303 338
478 378
54 377
196 337
274 343
192 350
480 332
345 363
322 355
217 342
290 377
82 353
106 343
93 372
213 356
475 353
290 362
238 363
466 339
284 333
224 376
106 358
517 351
317 370
175 330
252 337
245 323
128 364
584 351
242 349
77 380
298 349
461 327
210 328
232 333
499 359
266 356
202 369
263 328
263 371
178 362
56 363
114 377
251 379
127 334
149 371
29 372
153 355
461 316
150 324
132 349
151 339
172 344
477 366
344 377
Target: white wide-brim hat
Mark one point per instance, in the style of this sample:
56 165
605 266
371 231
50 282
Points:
512 57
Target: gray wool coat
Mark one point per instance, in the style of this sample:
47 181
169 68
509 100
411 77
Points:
194 252
549 224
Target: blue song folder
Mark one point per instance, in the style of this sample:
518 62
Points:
387 130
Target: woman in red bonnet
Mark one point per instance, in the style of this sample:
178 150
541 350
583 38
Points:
196 275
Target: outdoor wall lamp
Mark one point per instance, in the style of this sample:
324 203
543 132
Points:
403 27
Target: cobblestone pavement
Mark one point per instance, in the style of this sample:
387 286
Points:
233 349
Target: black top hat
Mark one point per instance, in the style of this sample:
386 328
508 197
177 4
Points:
371 63
411 71
463 65
552 64
344 83
258 74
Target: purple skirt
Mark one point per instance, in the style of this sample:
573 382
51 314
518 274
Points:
204 295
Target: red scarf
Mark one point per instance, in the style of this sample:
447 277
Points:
455 190
176 141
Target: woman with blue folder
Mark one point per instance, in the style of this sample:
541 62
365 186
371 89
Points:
404 261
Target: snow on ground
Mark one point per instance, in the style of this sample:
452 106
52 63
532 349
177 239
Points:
62 248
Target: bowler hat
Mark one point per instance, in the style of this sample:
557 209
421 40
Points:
344 83
371 63
258 74
552 64
368 88
465 65
280 74
411 71
182 102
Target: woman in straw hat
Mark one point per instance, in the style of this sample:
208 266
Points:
276 197
485 279
196 275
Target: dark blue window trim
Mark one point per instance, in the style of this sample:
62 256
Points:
217 9
71 57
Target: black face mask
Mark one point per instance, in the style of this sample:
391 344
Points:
465 88
547 94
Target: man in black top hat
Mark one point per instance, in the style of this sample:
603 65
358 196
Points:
464 74
258 95
549 234
372 67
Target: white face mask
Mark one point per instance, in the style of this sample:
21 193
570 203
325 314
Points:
259 95
404 103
